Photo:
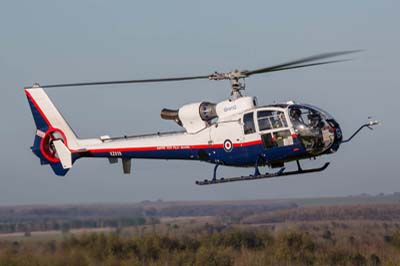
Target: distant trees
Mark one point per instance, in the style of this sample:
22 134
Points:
379 212
64 218
75 223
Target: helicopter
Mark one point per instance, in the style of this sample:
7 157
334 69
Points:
234 132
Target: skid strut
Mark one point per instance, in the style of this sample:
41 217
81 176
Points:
281 172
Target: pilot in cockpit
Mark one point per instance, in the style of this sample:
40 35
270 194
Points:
295 115
314 120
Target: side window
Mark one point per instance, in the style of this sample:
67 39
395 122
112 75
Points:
277 139
271 119
248 124
264 121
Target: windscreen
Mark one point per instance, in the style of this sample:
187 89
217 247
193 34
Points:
312 127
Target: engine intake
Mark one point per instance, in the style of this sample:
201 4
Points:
207 111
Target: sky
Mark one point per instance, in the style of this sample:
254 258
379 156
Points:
76 41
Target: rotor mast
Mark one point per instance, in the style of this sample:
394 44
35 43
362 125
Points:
234 77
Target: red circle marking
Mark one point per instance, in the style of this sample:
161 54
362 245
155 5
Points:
46 141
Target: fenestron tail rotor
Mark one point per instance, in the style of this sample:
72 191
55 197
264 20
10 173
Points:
233 76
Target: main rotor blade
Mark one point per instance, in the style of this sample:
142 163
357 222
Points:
222 76
309 65
121 82
288 65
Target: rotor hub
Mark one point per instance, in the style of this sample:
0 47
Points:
234 77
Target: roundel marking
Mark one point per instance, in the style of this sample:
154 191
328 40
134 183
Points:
228 146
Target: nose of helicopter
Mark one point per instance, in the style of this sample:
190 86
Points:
338 136
317 129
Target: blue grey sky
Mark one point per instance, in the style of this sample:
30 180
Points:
72 41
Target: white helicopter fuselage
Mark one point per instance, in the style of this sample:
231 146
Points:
234 132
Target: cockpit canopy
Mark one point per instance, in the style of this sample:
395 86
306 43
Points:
307 108
314 126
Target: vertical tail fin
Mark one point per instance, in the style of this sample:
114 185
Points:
54 139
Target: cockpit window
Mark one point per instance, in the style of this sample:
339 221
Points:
248 124
271 120
324 113
312 126
304 115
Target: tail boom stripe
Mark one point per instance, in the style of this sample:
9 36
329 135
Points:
37 107
169 148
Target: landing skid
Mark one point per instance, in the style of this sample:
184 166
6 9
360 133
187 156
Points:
281 172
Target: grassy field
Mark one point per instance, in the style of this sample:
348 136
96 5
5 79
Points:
208 242
359 230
